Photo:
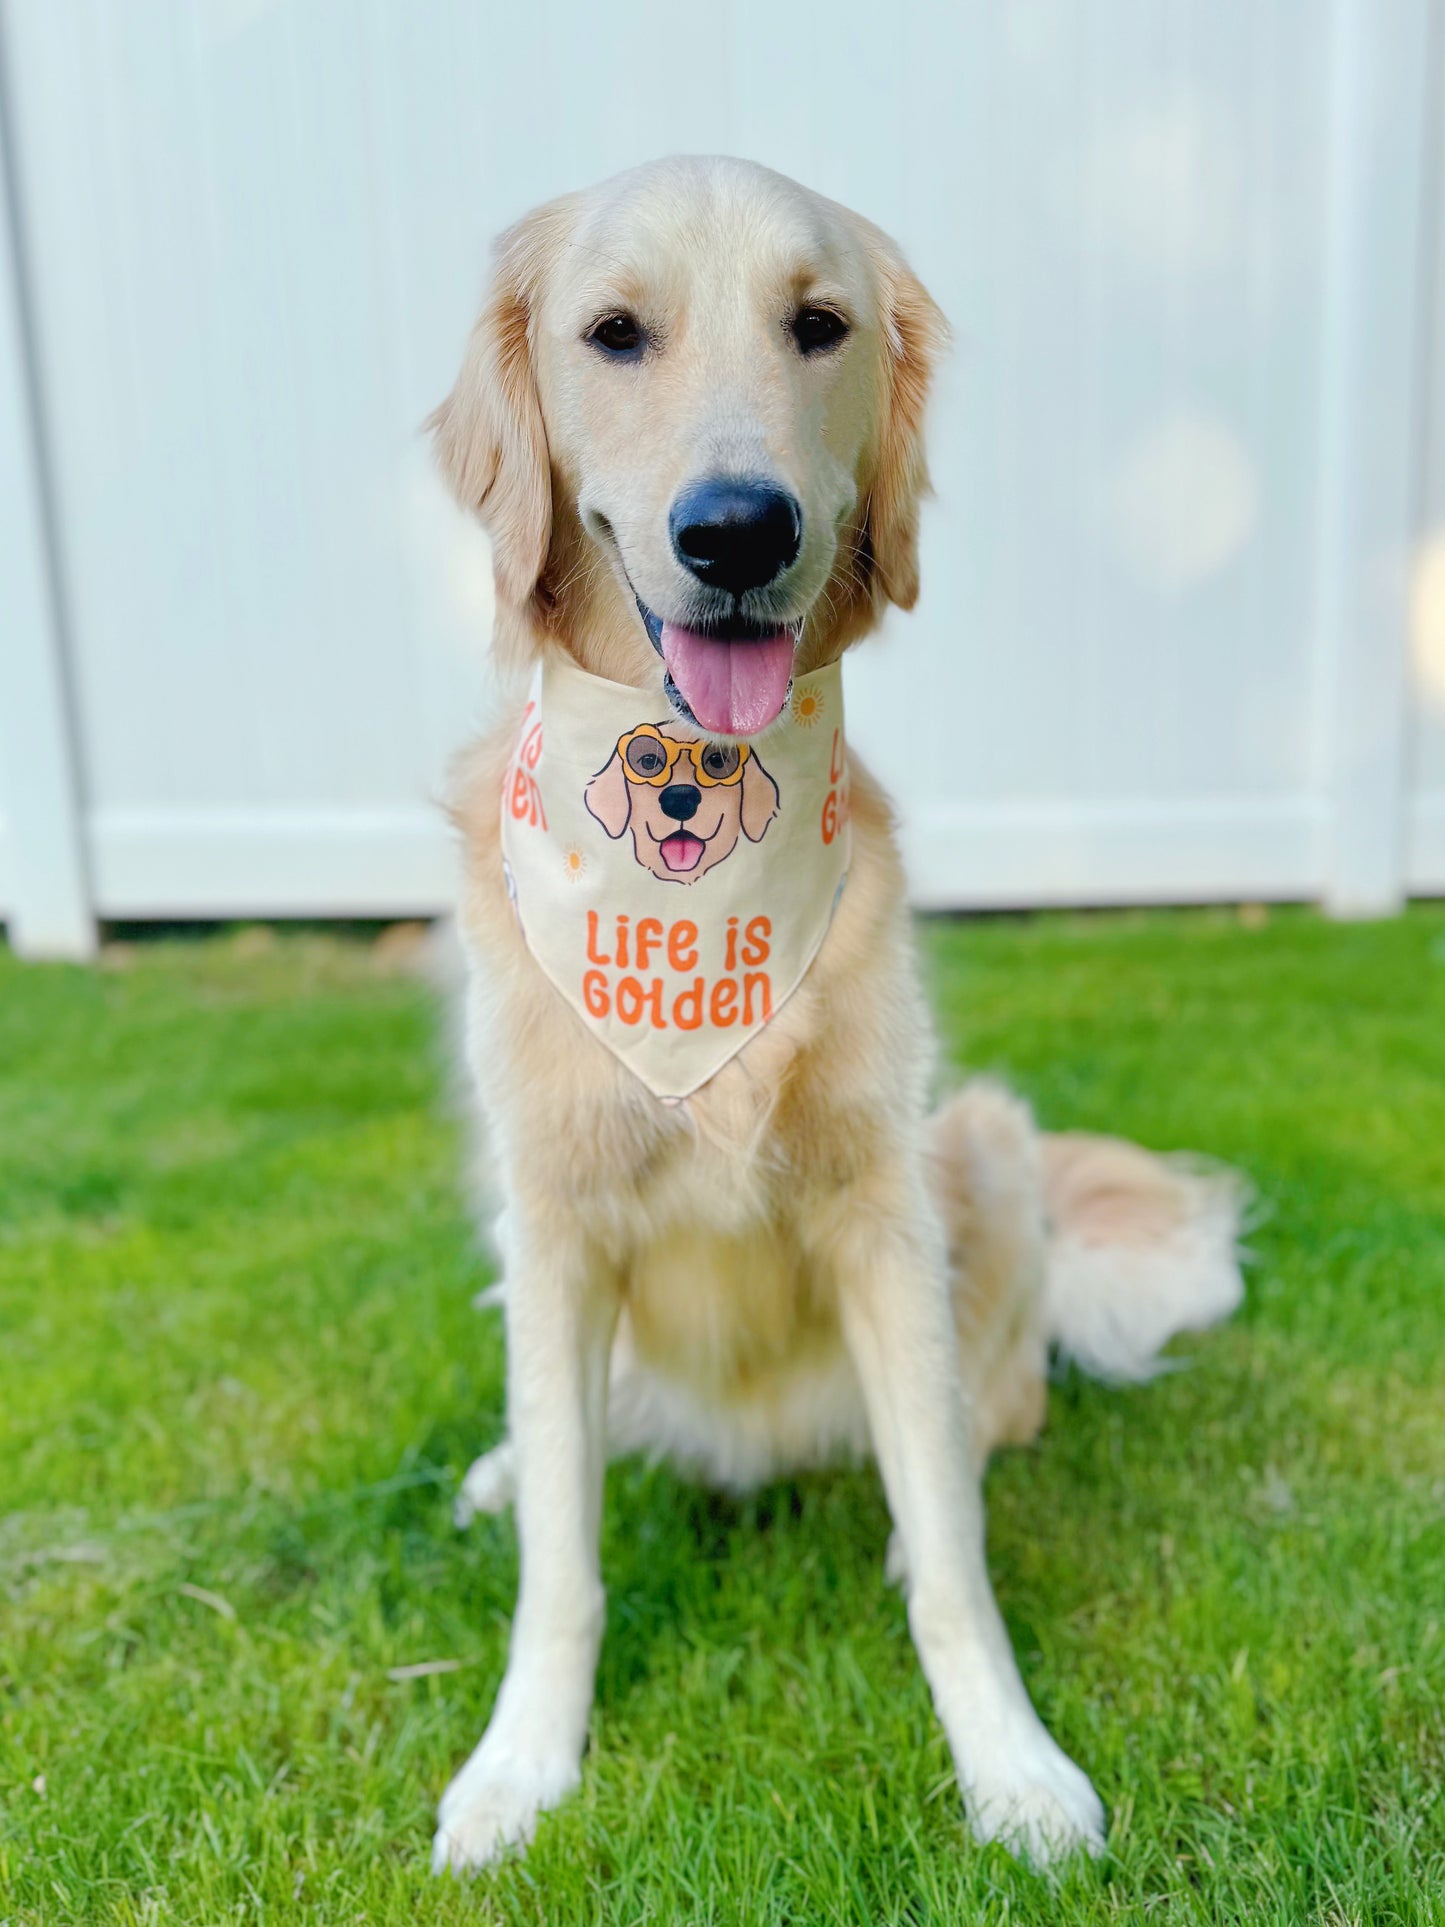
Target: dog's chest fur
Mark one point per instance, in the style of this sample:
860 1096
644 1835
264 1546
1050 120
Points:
711 1213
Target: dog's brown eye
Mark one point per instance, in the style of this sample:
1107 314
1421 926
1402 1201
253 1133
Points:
617 334
719 760
644 758
817 328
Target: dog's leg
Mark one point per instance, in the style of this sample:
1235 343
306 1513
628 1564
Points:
560 1318
897 1320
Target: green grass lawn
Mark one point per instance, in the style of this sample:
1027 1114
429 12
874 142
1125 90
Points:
240 1375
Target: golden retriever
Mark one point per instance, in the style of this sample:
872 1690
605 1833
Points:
860 1276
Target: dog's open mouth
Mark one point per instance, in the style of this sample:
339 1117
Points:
731 682
682 850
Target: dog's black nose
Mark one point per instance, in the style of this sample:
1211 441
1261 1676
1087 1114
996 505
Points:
735 535
680 801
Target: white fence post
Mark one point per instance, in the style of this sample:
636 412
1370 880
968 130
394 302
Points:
1375 305
49 914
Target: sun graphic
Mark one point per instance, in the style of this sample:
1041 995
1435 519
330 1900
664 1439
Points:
807 707
573 863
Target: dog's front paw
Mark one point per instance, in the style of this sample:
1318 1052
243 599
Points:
494 1803
1036 1802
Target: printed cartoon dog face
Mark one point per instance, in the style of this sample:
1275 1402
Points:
686 802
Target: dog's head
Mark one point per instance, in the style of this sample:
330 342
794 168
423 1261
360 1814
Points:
710 382
685 801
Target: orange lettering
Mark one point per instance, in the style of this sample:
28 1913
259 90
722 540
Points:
524 799
724 1002
837 808
630 1001
761 981
757 949
682 947
730 954
530 750
648 939
592 956
594 994
689 1018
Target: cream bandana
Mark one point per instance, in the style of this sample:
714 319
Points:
674 889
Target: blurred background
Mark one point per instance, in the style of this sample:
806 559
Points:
1183 628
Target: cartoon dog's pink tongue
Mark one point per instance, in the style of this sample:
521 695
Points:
733 688
681 850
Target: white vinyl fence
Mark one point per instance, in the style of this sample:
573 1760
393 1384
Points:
1183 630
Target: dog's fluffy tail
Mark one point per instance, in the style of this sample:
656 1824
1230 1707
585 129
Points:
1139 1248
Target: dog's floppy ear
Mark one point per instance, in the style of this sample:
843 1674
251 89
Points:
760 800
607 796
914 334
488 434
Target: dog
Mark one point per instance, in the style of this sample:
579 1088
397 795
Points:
654 783
691 417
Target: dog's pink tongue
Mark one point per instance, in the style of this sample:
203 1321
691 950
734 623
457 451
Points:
733 688
681 850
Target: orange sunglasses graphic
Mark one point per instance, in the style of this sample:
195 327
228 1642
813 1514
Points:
649 757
